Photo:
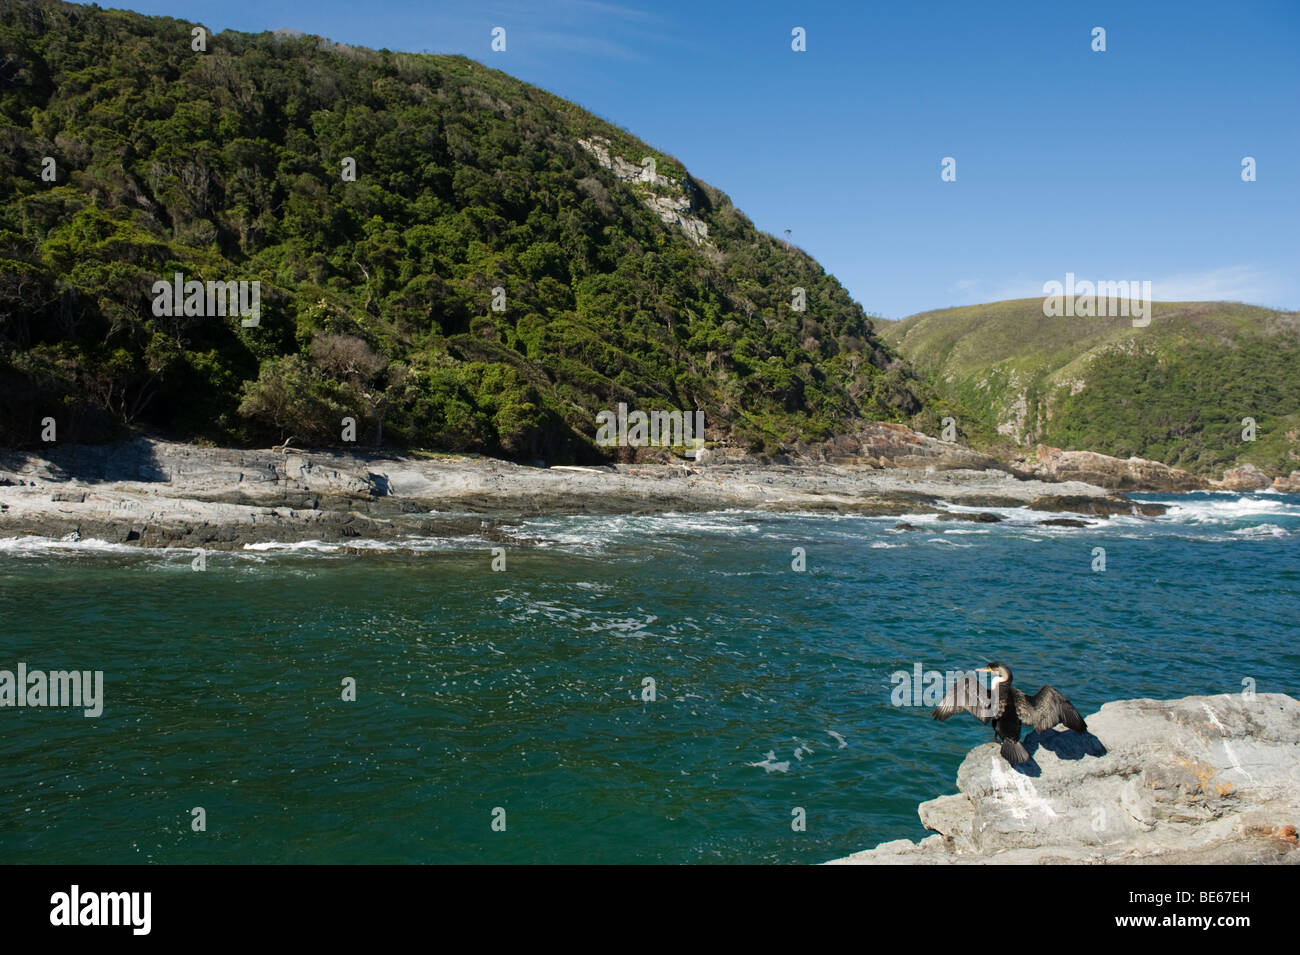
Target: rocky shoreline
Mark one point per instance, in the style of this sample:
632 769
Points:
160 494
1203 779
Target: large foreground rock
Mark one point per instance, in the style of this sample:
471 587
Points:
1204 779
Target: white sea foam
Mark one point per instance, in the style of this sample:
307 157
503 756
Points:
33 546
292 546
623 626
917 519
593 533
1260 530
1232 510
420 544
770 764
1011 516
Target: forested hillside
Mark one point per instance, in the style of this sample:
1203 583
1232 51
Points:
128 156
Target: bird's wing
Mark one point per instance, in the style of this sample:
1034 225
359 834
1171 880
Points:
966 695
1046 708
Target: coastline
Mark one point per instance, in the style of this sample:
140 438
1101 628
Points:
1198 780
162 494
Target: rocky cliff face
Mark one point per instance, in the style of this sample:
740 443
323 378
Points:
1204 779
672 200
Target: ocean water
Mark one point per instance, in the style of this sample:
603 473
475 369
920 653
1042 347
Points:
522 690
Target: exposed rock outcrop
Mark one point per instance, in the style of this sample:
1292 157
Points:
882 444
159 494
673 209
1289 483
1203 779
1245 478
1117 474
1099 506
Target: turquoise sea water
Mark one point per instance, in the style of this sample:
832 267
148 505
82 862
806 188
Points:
522 689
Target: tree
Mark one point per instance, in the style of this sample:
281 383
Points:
293 400
366 372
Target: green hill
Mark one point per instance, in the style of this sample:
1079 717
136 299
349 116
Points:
1174 391
617 282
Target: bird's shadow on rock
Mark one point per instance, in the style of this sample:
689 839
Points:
1029 768
1066 744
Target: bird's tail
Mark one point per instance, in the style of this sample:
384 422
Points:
1014 753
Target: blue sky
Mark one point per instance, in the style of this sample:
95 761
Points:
1117 165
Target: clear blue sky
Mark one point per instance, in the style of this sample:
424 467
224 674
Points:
1117 165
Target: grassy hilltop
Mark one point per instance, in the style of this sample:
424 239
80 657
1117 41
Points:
1174 391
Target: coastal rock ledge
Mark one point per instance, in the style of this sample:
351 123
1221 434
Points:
1204 779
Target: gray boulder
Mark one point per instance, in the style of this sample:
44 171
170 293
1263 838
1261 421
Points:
1203 779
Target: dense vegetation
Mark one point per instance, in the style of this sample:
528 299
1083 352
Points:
1176 390
377 293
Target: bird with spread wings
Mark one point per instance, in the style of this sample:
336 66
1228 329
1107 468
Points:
1006 708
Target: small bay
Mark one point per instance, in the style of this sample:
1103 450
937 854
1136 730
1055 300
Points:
523 689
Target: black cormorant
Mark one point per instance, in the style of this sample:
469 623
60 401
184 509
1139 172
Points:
1042 711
